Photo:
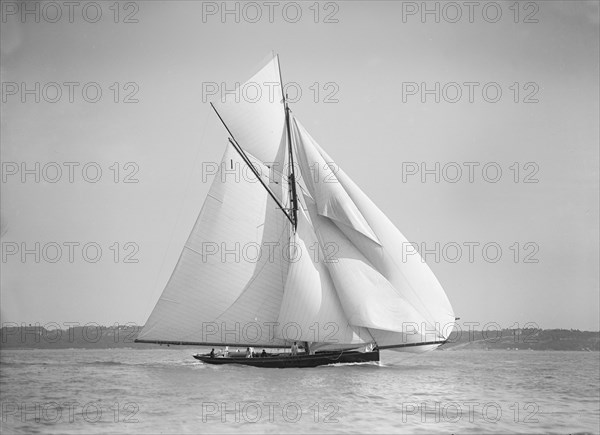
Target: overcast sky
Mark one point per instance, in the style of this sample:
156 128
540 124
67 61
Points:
369 65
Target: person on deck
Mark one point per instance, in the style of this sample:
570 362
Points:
306 348
226 352
212 353
294 349
263 354
248 353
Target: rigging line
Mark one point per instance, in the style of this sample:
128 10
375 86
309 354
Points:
258 177
305 192
271 169
369 332
209 343
299 185
422 343
275 172
241 152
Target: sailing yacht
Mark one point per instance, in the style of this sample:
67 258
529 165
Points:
293 252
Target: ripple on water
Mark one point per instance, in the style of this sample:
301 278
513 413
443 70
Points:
168 391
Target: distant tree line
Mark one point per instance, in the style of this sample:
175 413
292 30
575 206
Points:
93 336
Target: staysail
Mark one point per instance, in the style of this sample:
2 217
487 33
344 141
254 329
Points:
335 275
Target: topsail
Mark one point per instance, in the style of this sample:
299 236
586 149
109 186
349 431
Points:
333 273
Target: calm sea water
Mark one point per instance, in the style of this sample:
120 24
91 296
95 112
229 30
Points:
166 391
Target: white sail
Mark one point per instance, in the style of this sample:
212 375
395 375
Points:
221 291
255 114
369 271
310 309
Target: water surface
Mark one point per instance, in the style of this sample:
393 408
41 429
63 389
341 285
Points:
166 391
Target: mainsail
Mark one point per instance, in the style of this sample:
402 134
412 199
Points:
295 257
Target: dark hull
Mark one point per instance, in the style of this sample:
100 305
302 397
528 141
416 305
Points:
288 361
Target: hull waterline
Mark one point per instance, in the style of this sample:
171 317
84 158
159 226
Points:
288 361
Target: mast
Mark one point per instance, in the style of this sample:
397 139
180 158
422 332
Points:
291 176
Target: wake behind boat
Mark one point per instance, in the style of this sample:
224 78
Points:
287 248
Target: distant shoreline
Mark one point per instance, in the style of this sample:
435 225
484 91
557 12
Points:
119 337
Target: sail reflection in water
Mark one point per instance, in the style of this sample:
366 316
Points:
364 295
